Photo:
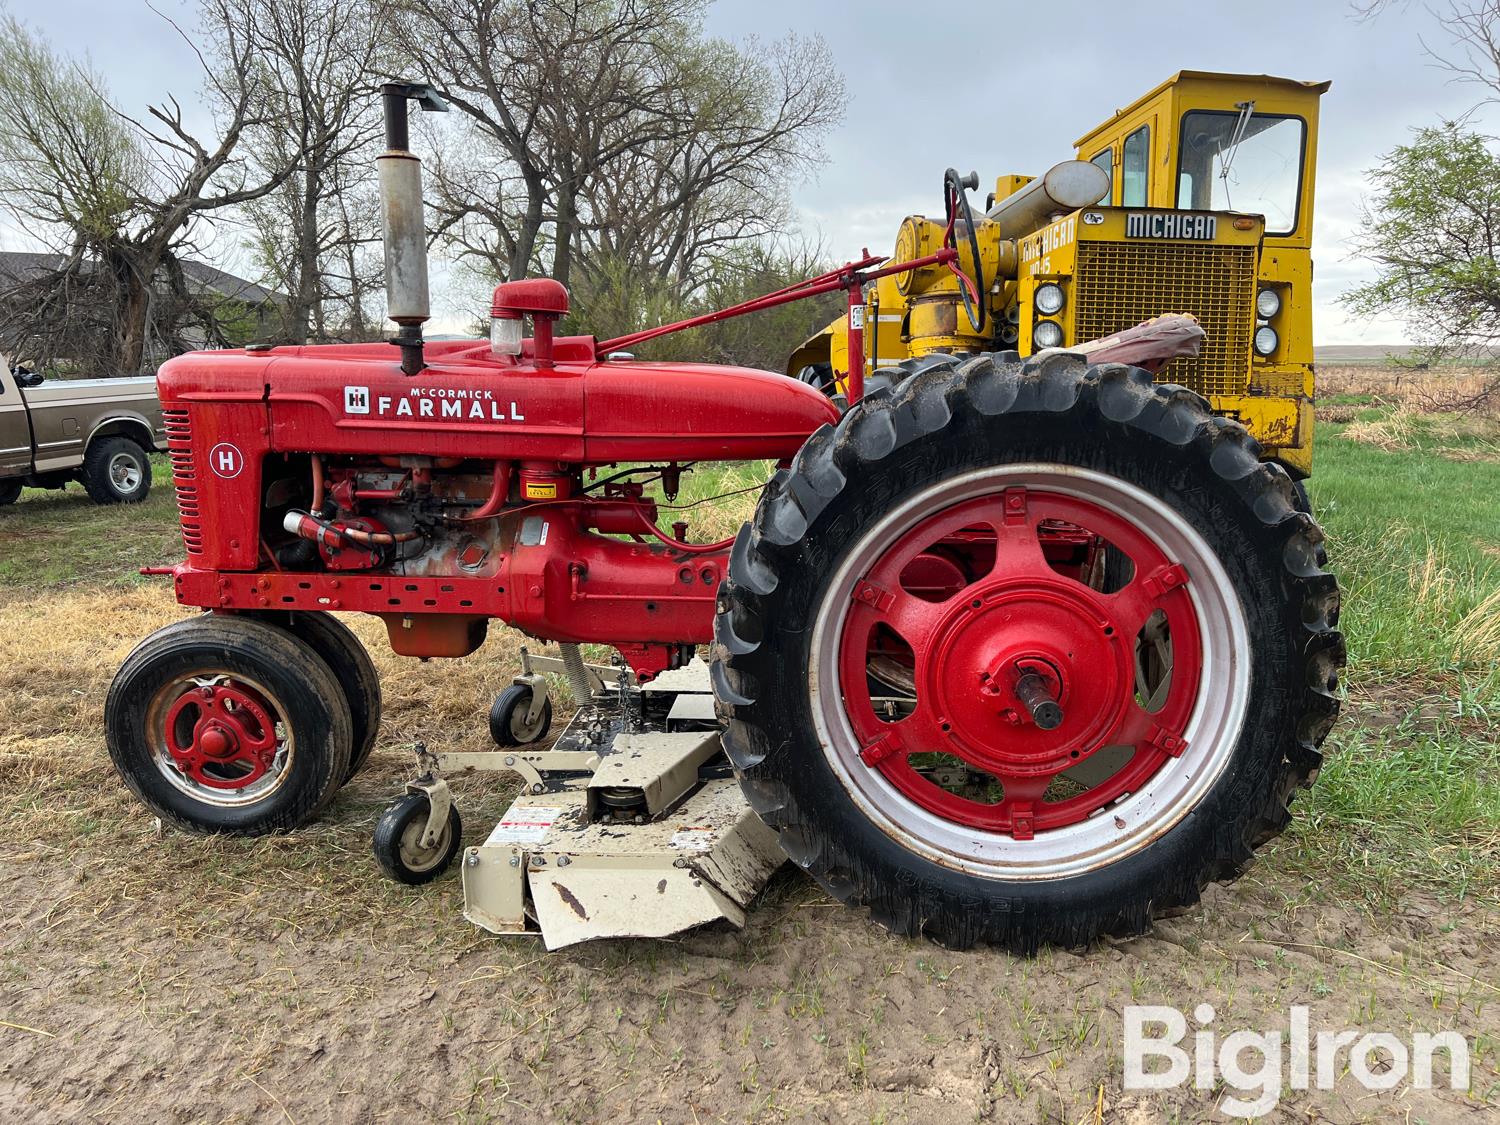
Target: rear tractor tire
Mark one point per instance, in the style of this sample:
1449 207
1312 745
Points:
229 725
961 709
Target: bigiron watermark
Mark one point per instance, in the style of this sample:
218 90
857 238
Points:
1256 1066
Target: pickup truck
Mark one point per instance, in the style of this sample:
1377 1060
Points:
97 431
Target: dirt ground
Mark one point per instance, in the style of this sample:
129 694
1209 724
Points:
148 976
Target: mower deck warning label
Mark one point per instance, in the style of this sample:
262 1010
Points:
524 824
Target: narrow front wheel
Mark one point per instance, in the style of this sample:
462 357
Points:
226 724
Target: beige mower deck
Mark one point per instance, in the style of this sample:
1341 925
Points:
621 830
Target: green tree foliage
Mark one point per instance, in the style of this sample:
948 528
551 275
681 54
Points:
1432 229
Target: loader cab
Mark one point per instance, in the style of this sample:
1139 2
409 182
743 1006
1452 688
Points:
1216 142
1208 211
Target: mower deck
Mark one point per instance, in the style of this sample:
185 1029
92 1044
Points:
632 825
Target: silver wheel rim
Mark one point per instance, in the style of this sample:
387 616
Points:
1131 823
519 730
125 473
156 732
416 858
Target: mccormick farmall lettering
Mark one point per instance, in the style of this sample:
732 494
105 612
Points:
433 402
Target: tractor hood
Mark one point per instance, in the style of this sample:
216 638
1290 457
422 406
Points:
355 399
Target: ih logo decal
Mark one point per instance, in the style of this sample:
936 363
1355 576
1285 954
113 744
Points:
226 460
356 400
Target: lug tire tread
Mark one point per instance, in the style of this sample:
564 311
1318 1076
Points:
1001 387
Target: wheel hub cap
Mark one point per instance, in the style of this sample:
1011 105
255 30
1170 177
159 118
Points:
222 736
1057 632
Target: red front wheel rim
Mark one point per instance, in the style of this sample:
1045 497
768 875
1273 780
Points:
220 738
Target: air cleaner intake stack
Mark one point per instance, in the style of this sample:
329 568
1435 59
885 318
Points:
405 228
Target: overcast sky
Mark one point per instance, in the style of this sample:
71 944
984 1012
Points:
1004 87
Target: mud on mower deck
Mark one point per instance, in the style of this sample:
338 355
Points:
631 825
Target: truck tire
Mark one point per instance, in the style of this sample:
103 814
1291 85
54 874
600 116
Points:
1064 760
351 665
228 725
116 471
10 491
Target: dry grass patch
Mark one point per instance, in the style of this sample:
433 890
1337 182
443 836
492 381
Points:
1434 390
1389 434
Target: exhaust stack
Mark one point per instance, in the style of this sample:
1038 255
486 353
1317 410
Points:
1066 187
405 228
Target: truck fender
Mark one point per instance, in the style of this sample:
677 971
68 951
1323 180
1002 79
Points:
128 424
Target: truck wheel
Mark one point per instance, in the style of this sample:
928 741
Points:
351 665
1017 751
225 724
116 471
10 492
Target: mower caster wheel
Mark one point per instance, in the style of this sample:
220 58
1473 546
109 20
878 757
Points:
509 714
398 841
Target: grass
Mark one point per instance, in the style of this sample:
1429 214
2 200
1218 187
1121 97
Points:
1410 795
53 538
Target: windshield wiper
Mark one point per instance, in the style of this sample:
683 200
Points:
1227 153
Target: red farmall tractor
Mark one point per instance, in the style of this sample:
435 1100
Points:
1013 651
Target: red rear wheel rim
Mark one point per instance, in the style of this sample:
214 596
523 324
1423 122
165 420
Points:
1017 615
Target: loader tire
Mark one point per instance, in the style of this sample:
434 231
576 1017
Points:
928 808
116 471
351 665
228 725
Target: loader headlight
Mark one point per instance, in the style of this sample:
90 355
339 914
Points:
1047 334
1266 340
1049 299
1267 303
505 335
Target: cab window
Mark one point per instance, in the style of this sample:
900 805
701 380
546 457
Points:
1106 160
1135 167
1242 161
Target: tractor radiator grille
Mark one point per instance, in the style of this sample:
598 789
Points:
184 478
1120 284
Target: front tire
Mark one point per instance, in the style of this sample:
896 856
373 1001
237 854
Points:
116 471
350 663
10 491
954 718
228 725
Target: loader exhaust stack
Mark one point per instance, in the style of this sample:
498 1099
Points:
400 171
1066 187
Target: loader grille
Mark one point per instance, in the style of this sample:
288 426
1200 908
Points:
1120 284
184 477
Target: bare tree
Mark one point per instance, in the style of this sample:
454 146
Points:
614 130
122 214
322 59
1432 227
